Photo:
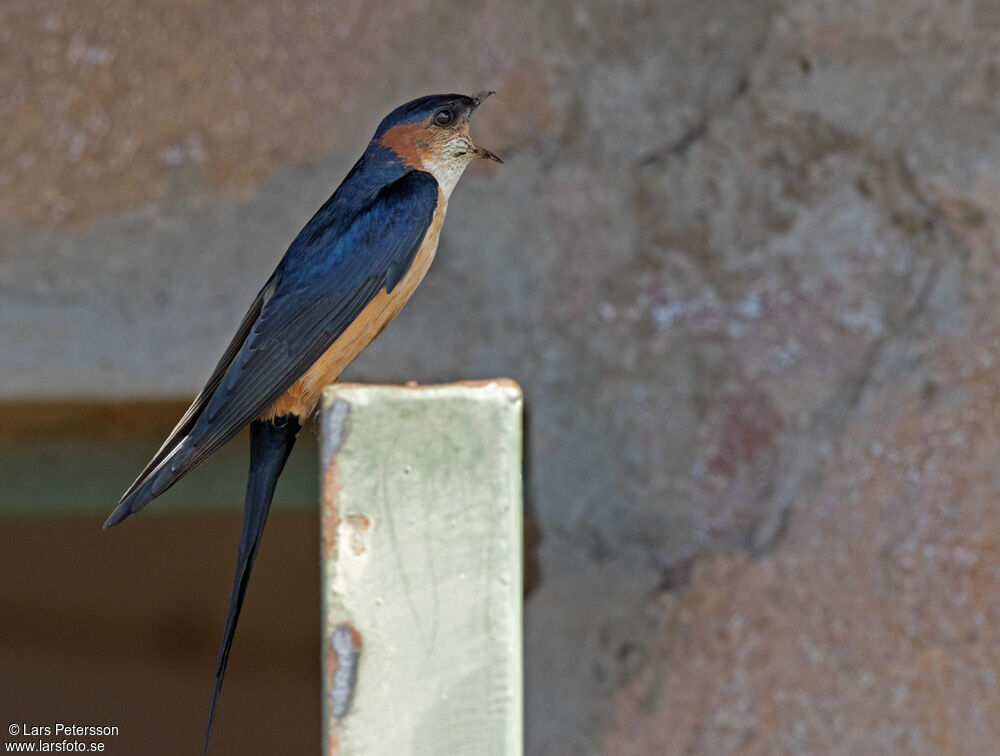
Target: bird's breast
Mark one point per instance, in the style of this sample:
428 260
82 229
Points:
302 396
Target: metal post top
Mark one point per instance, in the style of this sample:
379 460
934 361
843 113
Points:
503 388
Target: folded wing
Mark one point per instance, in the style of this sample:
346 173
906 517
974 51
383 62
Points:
332 270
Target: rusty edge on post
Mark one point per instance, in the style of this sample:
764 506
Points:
343 652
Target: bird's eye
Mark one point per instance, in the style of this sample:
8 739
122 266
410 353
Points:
444 117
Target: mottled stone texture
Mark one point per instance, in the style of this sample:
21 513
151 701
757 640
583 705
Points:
742 258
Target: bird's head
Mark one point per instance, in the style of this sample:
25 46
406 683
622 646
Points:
432 134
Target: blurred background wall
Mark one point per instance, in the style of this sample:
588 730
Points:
742 257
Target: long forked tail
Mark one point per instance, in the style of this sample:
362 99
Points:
270 443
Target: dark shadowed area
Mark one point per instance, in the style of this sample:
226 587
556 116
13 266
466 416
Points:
742 257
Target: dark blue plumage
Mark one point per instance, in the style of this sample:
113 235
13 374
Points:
423 108
360 241
270 444
337 276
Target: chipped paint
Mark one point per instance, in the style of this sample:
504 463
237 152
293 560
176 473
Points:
342 668
334 428
358 526
331 520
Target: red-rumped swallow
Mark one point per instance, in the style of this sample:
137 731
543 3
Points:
347 273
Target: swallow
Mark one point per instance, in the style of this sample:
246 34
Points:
344 277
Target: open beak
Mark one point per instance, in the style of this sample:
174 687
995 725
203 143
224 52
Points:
477 100
486 155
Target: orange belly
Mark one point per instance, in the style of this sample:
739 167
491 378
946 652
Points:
301 397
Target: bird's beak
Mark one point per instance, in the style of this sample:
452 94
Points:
479 152
477 100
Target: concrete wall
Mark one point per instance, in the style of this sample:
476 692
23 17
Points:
742 258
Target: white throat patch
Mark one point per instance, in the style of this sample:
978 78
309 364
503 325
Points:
448 165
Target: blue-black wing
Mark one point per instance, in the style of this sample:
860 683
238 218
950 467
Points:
335 266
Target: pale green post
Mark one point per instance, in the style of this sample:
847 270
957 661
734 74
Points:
422 558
